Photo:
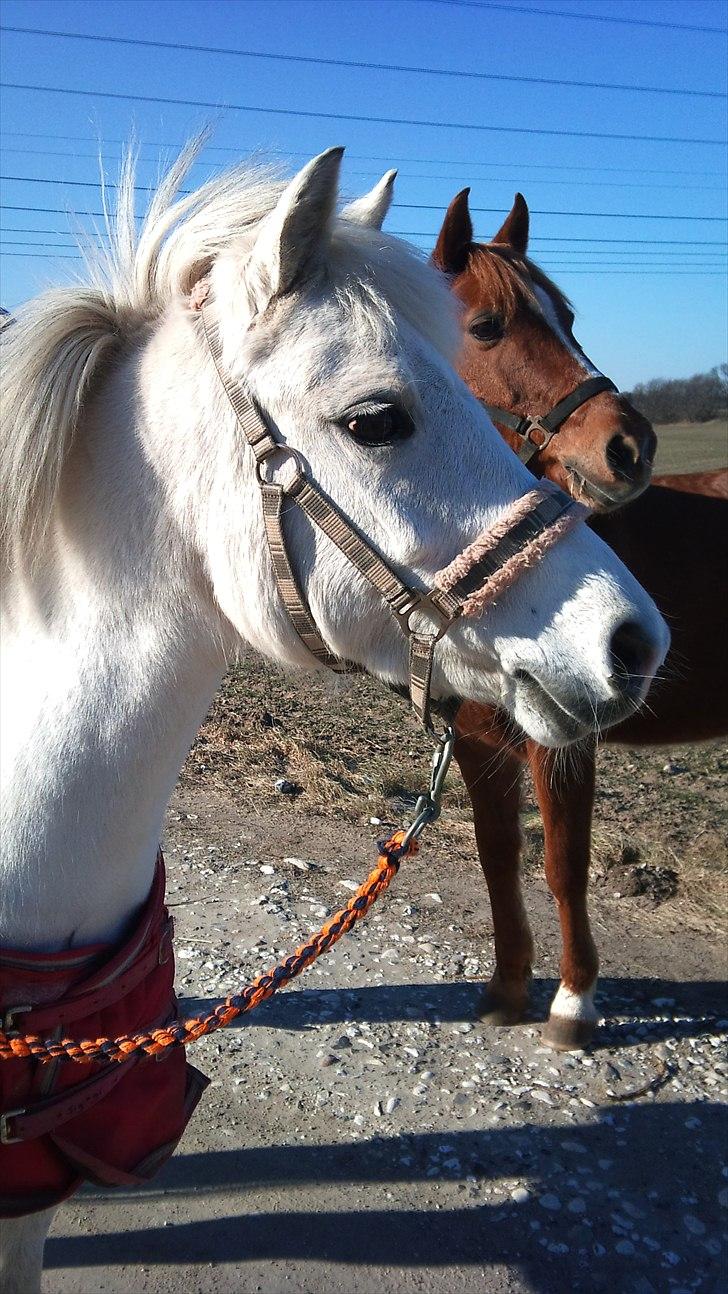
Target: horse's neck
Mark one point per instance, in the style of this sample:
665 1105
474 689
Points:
111 655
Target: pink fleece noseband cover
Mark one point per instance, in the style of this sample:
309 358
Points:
509 567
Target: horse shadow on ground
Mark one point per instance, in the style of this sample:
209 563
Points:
618 1191
656 1009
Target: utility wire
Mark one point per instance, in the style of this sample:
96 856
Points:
548 263
350 116
555 256
421 233
606 215
48 256
409 175
587 17
568 253
369 157
401 206
358 64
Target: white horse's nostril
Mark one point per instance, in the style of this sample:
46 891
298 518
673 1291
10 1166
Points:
633 655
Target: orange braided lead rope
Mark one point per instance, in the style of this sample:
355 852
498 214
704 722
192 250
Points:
181 1032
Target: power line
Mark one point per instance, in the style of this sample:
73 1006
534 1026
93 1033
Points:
18 229
358 64
369 157
349 116
606 215
414 175
565 269
555 256
40 249
42 256
555 260
706 274
402 206
587 17
547 264
23 242
424 233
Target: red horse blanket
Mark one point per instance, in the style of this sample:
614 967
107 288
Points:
116 1124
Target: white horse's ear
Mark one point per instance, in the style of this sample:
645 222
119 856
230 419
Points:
293 238
372 208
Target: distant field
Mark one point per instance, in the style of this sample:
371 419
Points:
692 446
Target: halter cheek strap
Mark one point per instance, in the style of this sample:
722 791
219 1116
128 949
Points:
480 574
536 432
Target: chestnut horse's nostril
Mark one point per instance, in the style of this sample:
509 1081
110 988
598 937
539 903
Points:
632 653
623 457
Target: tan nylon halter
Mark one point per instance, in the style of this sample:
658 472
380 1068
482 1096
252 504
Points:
478 575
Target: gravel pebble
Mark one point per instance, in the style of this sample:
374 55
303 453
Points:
550 1202
577 1205
693 1225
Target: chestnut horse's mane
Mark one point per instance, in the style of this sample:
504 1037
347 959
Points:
509 280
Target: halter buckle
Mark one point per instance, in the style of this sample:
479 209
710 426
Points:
529 447
5 1136
7 1018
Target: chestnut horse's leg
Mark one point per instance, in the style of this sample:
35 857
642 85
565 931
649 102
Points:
491 767
564 784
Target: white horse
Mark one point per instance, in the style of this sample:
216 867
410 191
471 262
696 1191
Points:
134 548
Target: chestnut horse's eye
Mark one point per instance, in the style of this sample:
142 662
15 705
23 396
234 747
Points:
488 328
380 425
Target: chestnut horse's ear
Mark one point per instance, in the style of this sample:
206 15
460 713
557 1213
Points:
514 230
455 239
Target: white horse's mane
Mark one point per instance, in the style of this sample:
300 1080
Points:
59 342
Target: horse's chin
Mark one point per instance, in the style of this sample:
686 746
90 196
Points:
546 719
602 496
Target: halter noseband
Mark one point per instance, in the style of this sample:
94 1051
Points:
546 425
480 573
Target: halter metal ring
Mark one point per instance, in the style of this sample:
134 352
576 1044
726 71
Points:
287 455
535 424
416 601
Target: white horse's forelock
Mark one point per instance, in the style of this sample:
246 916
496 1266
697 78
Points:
58 343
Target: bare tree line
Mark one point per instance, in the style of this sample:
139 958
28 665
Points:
688 399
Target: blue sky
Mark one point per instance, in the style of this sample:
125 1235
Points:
655 307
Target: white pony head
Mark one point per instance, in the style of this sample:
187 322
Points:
345 338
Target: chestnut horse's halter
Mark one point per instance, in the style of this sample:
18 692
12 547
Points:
546 425
484 570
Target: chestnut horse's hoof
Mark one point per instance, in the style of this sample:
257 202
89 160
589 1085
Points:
502 1004
563 1034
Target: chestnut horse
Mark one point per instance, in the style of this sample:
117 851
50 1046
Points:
519 356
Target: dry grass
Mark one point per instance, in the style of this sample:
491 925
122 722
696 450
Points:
354 751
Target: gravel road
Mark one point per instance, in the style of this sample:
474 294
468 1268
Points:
362 1132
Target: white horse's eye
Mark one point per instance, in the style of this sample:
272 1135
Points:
380 426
